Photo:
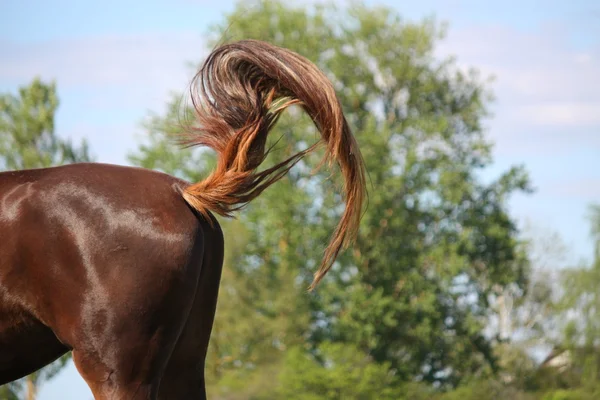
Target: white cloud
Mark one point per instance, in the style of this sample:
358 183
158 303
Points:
587 188
547 89
536 66
151 59
562 114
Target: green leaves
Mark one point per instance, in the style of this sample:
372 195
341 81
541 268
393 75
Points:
339 371
579 308
27 137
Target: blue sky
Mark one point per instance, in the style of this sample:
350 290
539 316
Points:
116 60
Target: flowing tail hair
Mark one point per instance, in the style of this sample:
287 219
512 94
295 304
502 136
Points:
238 95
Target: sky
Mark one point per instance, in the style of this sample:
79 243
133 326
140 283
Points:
116 61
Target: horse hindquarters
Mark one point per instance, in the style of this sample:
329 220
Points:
184 376
109 259
127 359
129 284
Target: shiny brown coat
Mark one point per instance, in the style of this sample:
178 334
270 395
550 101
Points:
109 262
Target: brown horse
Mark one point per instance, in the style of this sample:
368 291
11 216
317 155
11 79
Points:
122 265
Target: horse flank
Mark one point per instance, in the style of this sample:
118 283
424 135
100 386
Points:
238 95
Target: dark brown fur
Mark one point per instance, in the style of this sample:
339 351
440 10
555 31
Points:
122 265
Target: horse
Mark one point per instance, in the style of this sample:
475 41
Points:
122 265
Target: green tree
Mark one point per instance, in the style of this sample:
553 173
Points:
27 137
28 140
341 372
526 322
436 246
579 306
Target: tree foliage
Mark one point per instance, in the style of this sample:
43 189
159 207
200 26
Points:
579 308
27 137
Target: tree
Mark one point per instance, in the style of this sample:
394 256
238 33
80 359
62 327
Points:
27 126
436 245
28 140
579 308
343 372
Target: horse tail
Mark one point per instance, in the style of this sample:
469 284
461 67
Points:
238 95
